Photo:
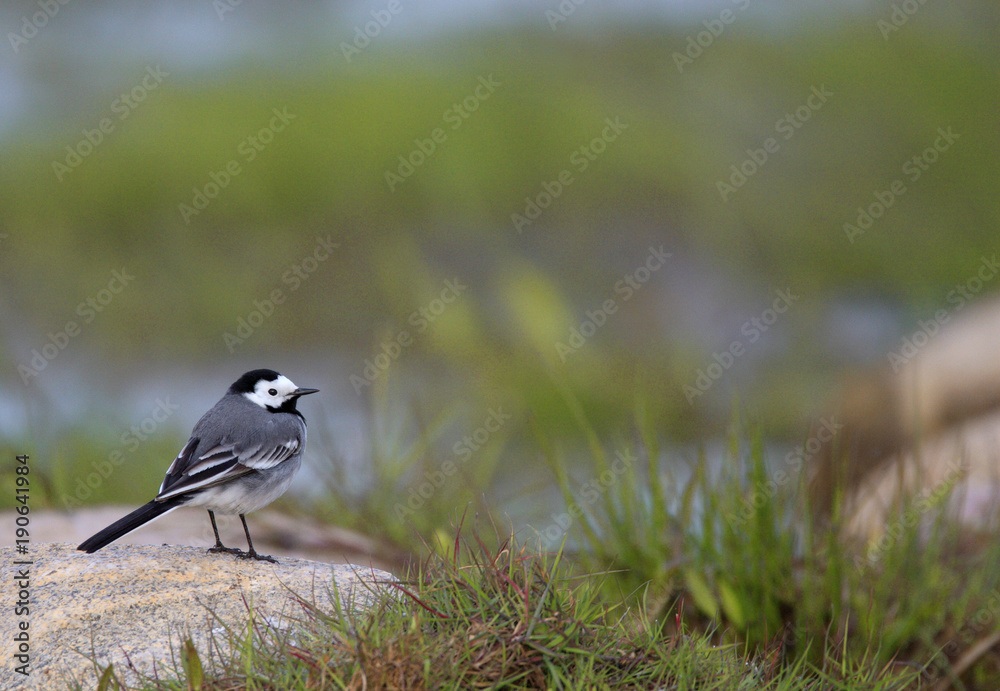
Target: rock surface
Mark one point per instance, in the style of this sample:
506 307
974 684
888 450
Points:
129 604
924 422
273 533
957 470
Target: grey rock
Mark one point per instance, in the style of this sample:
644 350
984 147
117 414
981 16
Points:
131 604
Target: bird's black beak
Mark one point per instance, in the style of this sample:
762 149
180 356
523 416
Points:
303 392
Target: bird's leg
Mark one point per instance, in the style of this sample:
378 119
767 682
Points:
252 553
219 547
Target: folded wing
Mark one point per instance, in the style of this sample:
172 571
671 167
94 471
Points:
195 469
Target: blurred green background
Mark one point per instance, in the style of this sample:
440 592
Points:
509 96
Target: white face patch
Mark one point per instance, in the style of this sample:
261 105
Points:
272 394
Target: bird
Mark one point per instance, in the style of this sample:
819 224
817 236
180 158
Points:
241 456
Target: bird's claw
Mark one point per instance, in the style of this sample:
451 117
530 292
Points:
258 557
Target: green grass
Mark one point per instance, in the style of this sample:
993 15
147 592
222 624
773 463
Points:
500 616
739 546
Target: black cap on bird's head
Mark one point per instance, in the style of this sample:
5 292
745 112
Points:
248 382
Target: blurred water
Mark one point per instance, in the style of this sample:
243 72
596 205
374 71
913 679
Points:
89 48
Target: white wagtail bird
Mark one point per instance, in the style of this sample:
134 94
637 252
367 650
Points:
241 456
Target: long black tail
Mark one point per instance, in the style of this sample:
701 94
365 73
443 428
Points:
144 514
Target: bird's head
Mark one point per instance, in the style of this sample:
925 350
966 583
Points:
269 390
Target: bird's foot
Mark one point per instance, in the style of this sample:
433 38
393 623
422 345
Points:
227 550
252 554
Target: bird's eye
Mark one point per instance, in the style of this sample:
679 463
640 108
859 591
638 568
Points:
273 392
